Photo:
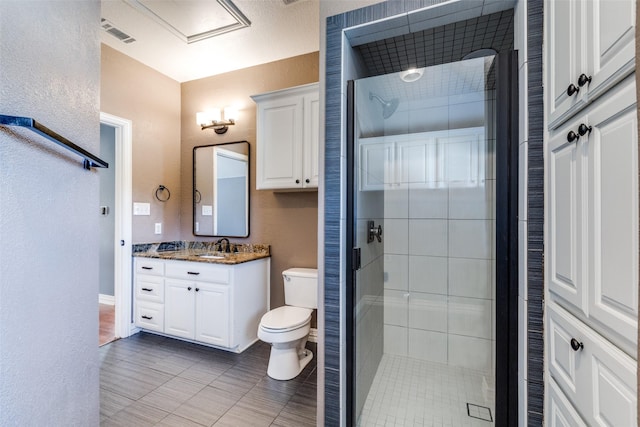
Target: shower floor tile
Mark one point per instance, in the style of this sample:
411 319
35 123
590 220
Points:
410 392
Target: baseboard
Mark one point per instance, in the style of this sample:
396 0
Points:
107 299
313 335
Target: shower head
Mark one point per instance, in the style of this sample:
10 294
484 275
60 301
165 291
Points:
388 107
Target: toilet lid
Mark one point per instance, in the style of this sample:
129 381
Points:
286 317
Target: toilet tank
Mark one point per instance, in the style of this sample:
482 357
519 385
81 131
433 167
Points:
301 287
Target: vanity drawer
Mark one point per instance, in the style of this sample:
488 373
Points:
198 271
150 266
150 316
150 288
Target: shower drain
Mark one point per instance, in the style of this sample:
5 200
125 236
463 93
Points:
479 412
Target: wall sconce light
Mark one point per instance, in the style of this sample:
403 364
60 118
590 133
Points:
213 119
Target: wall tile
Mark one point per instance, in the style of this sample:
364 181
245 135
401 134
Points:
428 345
470 278
470 317
428 237
428 274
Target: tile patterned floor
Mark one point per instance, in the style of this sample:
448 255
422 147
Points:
410 392
149 380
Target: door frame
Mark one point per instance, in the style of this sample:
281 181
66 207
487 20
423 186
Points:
506 200
123 222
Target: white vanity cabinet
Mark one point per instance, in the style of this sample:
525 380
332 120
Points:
593 38
287 132
215 304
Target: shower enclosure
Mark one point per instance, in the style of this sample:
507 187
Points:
432 202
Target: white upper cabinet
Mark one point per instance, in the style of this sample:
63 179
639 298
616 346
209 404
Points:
287 131
590 48
593 216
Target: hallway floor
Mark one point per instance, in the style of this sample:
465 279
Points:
410 392
149 380
107 324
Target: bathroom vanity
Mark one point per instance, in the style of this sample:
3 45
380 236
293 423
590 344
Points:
210 298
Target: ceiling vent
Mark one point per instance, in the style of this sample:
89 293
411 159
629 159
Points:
120 35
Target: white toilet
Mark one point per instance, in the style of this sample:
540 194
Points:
286 328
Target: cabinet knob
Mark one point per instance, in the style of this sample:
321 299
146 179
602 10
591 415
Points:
572 136
576 345
583 80
307 180
197 289
189 288
297 181
584 129
572 90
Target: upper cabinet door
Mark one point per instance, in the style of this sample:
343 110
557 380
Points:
590 49
311 148
280 143
565 34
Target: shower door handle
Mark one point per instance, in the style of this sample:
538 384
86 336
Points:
374 232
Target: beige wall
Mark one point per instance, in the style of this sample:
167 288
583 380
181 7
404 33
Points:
131 90
286 221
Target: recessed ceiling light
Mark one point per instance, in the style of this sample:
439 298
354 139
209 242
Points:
411 75
479 53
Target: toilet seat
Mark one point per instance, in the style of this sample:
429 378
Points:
286 318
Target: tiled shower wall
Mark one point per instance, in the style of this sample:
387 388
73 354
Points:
439 252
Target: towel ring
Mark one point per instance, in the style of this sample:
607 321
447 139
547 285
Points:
161 188
197 196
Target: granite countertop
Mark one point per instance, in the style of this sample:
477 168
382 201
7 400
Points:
202 252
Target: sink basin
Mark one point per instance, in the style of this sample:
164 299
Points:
209 256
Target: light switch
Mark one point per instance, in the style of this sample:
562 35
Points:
141 208
207 210
158 228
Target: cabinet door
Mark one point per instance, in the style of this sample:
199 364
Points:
610 44
594 38
598 379
179 304
566 248
376 168
279 150
612 194
212 314
561 412
311 136
565 35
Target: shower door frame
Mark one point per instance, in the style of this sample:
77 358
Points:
506 200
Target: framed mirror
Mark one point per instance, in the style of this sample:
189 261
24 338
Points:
221 190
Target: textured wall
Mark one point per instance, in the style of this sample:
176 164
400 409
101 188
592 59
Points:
50 68
286 221
151 100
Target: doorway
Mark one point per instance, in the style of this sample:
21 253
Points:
117 242
431 208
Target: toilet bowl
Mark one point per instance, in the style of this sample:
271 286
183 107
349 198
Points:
286 328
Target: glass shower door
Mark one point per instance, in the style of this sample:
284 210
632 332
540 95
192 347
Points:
424 223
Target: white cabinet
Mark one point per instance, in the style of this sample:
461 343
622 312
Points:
215 304
287 131
594 38
455 157
593 216
591 213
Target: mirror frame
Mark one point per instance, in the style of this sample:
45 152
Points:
195 191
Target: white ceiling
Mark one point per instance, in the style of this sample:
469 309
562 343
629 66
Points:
180 39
